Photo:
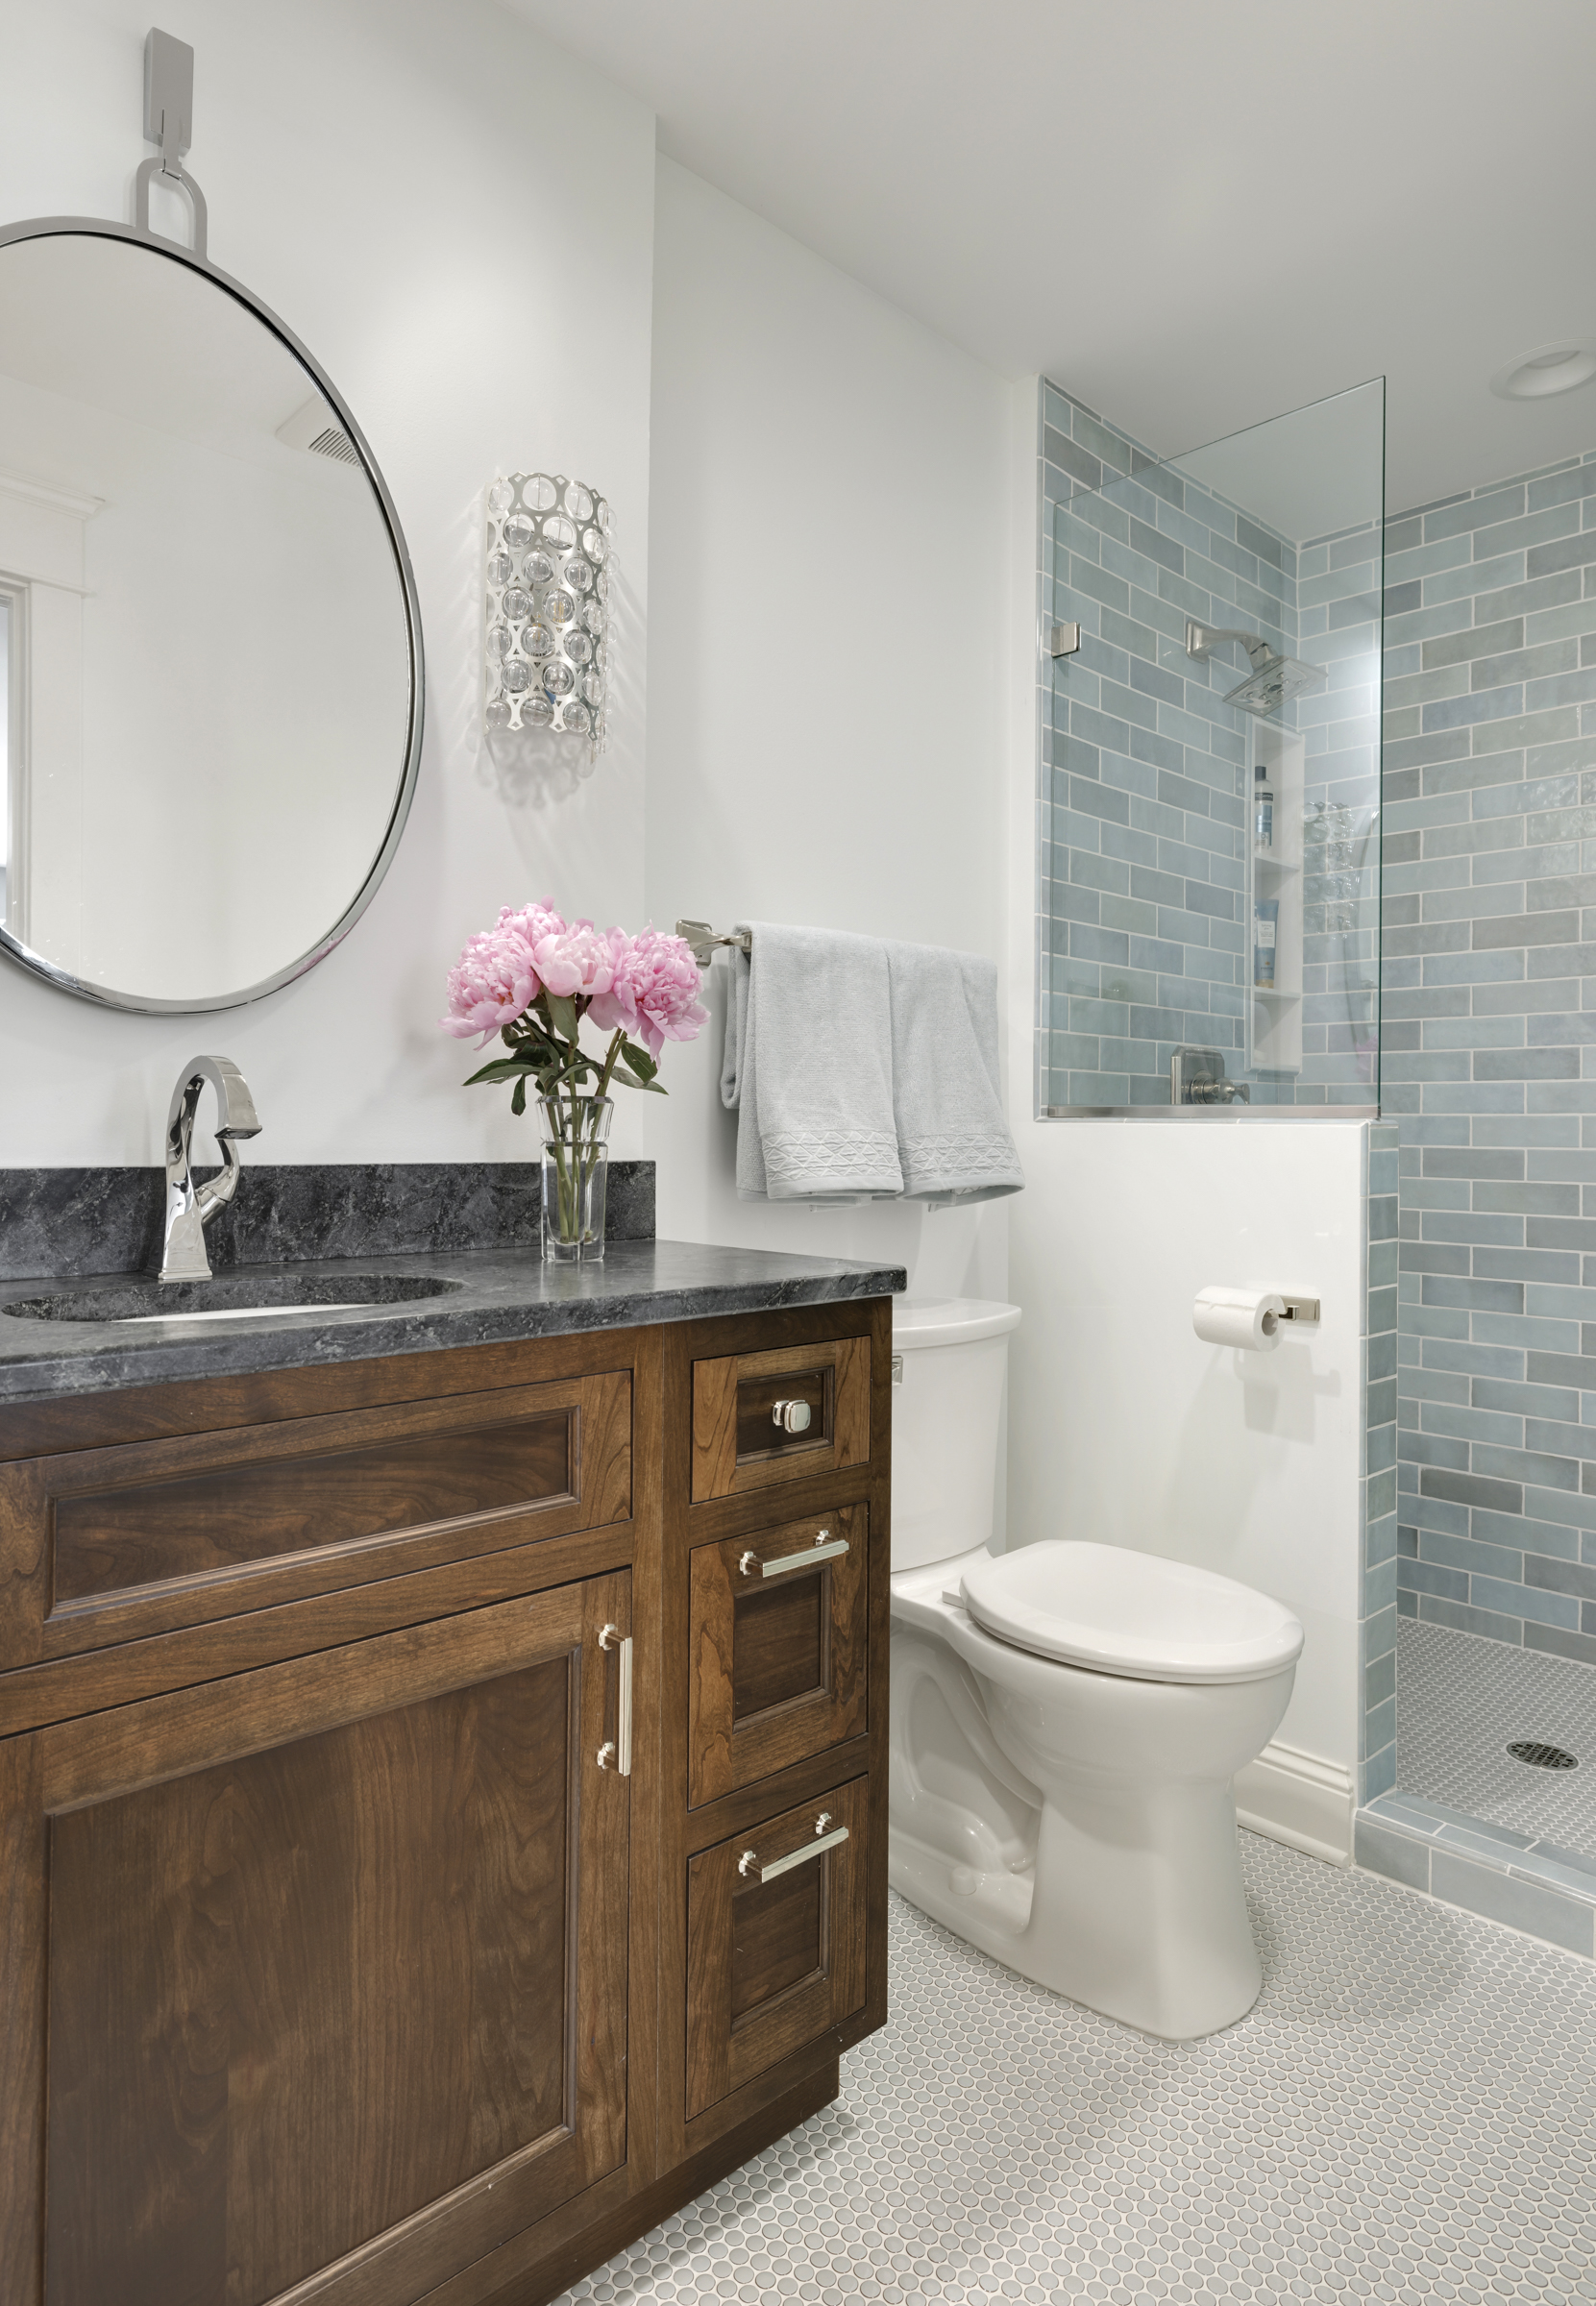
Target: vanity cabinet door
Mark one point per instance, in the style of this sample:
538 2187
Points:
776 1941
779 1417
779 1639
318 1972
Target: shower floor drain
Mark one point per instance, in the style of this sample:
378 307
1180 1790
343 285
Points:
1541 1756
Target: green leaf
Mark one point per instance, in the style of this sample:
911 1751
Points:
518 1103
640 1060
562 1011
629 1080
503 1069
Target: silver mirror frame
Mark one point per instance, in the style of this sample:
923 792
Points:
43 228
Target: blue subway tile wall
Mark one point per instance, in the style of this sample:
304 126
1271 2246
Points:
1142 937
1488 1057
1377 1755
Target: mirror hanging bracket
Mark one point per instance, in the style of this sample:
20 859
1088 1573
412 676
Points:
169 121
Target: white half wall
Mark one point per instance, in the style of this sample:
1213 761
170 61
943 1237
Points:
458 218
1125 1428
826 643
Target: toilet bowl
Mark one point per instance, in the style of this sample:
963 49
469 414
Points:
1065 1720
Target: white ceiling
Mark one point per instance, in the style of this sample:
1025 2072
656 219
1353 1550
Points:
1192 216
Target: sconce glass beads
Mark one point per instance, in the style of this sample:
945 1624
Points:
547 585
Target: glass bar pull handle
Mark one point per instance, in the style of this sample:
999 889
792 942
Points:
749 1862
826 1548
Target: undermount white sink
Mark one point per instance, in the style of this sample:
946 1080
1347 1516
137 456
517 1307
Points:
229 1297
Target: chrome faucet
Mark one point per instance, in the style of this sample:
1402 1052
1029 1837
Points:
190 1208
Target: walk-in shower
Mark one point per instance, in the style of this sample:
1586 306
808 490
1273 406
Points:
1208 899
1487 1739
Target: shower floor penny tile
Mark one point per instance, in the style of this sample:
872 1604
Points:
1460 1702
1406 2113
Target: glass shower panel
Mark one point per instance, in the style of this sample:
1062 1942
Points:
1210 857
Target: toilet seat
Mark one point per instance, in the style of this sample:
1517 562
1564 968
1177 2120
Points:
1114 1611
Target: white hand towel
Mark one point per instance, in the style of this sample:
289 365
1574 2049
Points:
808 1067
953 1140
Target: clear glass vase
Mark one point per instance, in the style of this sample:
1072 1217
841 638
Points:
576 1171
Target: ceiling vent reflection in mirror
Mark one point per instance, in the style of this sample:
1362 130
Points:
312 427
546 594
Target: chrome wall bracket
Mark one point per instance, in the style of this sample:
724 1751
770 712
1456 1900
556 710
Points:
169 122
702 940
1064 640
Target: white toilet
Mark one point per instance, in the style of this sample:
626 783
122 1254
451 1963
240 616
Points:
1066 1719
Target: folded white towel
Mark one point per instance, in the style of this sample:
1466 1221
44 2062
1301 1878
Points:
808 1067
953 1140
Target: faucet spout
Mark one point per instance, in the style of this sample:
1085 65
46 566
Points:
190 1208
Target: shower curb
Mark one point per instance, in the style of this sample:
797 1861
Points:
1527 1882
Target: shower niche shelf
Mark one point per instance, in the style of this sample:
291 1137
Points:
1276 877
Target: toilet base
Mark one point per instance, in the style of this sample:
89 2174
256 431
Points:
1079 1827
1159 1938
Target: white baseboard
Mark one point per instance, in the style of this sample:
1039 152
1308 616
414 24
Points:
1299 1799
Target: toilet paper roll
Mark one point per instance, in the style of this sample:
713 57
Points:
1246 1317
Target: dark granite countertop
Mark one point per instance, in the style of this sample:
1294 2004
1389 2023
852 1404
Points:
488 1296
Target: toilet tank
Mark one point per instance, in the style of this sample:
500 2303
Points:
949 1359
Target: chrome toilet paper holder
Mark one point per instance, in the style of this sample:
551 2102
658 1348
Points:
1297 1309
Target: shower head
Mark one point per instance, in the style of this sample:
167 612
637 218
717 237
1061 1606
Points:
1274 679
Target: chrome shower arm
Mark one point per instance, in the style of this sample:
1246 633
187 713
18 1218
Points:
1201 640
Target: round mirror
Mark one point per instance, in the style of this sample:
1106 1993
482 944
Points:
209 645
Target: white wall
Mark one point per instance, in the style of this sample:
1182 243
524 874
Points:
1126 1428
458 220
826 701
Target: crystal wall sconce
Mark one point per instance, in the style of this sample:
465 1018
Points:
547 595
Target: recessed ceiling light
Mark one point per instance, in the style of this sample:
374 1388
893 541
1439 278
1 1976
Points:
1550 368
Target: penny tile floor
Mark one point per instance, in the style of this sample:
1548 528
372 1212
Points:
1409 2112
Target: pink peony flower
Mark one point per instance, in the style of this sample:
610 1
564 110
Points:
493 981
580 960
653 992
533 923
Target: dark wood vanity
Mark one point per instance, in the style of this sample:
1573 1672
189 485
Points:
342 1963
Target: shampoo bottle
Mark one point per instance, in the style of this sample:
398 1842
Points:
1265 921
1263 809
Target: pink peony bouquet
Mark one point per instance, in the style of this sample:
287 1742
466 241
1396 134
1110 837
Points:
531 979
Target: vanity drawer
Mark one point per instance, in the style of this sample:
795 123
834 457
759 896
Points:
762 1418
108 1545
778 1666
773 1963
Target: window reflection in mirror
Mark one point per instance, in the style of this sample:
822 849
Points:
207 639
